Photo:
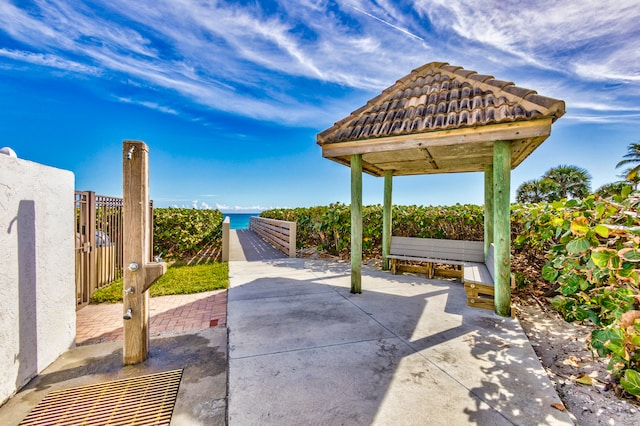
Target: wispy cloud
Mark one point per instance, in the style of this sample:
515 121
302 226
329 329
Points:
242 209
568 36
150 105
395 27
51 61
288 66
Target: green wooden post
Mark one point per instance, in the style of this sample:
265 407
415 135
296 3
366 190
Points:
386 219
502 226
488 208
356 223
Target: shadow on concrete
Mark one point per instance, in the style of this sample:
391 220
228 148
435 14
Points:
202 356
405 351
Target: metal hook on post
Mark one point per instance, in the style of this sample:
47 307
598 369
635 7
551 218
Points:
127 315
130 153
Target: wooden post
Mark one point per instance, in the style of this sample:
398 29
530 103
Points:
387 213
488 208
292 239
502 226
226 227
139 272
356 223
91 240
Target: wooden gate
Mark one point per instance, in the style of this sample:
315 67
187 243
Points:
98 242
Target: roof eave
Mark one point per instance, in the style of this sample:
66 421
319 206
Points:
515 130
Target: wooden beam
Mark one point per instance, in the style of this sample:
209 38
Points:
488 208
387 213
467 135
502 226
356 223
429 158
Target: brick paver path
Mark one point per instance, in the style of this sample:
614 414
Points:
167 314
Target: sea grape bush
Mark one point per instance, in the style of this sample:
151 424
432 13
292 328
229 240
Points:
593 259
179 232
329 227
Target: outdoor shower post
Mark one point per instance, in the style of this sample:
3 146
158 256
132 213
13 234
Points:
139 272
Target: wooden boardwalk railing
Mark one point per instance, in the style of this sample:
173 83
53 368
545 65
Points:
279 233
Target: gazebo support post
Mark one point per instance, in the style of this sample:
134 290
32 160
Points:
356 223
386 219
488 208
502 226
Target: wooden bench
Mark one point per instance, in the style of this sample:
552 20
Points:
478 282
467 256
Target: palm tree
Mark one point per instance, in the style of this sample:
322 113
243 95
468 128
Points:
630 178
631 157
610 189
536 191
572 181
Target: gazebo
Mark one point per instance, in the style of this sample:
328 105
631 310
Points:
443 119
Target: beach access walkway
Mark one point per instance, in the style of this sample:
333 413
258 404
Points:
407 351
301 349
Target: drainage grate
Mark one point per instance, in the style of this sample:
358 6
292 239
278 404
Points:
144 400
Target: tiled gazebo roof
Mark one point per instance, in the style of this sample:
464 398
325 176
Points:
441 106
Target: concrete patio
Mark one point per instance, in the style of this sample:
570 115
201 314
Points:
407 351
303 350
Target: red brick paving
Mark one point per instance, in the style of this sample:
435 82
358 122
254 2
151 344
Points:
167 314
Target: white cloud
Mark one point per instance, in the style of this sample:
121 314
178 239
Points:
48 60
567 36
243 60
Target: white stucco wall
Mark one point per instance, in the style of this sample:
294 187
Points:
37 288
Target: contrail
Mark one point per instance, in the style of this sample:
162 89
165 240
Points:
402 30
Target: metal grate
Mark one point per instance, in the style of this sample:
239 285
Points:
144 400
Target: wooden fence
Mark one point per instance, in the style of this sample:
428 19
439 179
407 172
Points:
279 233
99 243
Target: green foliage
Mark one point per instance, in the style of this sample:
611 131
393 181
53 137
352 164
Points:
557 183
329 227
177 280
632 158
610 189
593 259
179 232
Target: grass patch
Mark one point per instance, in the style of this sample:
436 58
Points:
179 279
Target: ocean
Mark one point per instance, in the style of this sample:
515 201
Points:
240 220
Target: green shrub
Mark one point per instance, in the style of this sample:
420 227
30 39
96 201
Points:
592 260
179 232
329 227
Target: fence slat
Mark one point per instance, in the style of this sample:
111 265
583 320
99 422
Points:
279 233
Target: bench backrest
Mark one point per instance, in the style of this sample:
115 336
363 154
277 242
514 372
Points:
462 250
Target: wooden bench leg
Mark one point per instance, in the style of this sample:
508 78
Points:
394 268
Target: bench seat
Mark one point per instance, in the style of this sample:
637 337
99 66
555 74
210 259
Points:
474 271
479 285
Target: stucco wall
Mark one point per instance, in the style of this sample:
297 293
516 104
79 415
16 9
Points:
37 288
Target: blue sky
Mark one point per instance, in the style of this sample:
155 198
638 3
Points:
229 96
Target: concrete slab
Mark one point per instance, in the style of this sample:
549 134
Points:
303 350
202 356
349 384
